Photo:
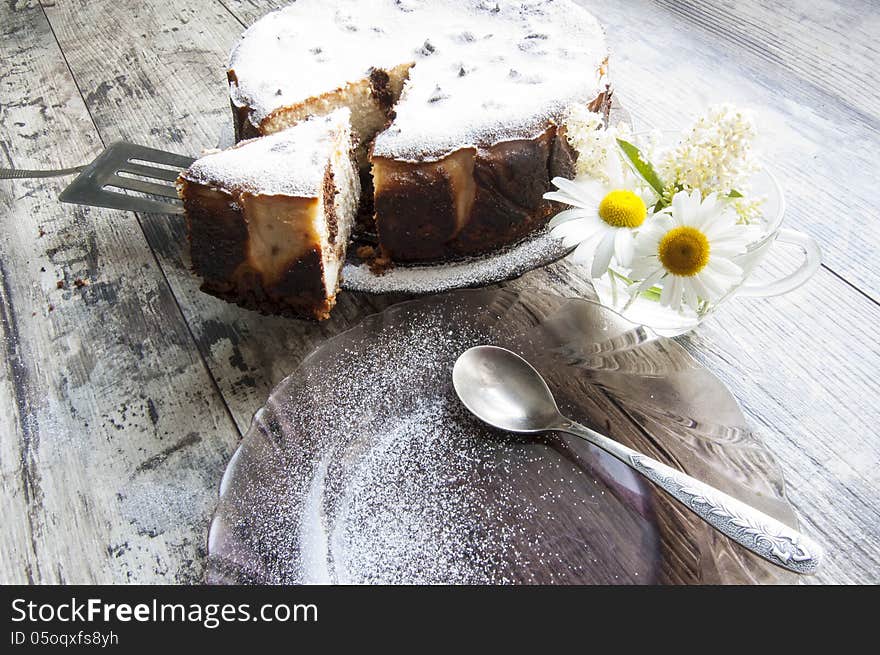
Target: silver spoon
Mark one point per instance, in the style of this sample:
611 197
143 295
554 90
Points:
503 390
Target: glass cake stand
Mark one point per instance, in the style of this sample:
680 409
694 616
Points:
362 467
538 249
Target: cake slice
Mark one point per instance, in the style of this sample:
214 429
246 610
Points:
269 218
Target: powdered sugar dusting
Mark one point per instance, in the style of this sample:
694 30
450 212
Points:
484 71
291 162
407 509
365 468
539 249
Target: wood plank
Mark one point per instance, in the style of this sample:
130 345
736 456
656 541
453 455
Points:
837 55
803 366
159 79
811 394
248 11
150 97
807 383
100 385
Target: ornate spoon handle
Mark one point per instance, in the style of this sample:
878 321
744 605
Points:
749 527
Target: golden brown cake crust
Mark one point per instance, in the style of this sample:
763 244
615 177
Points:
417 218
473 201
218 235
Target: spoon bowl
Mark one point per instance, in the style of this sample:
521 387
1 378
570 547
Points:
504 391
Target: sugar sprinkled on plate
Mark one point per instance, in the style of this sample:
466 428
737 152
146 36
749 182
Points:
364 468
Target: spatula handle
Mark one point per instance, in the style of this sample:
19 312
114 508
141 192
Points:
23 173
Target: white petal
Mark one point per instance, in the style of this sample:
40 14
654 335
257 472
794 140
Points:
604 252
648 196
724 250
583 254
719 225
586 251
643 248
707 211
680 206
696 216
567 215
699 288
714 285
565 184
648 239
689 294
655 226
737 237
677 291
724 266
583 192
567 199
642 267
574 232
650 280
666 292
718 284
623 246
614 169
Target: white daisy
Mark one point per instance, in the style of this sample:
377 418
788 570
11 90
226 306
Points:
689 247
603 216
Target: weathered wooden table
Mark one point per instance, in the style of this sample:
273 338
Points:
122 399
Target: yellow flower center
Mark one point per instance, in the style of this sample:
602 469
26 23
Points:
684 251
622 208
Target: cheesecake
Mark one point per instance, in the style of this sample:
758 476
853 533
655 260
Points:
458 107
269 219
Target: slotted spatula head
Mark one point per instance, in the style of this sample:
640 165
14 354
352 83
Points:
124 168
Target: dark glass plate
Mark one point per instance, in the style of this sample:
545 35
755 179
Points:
363 467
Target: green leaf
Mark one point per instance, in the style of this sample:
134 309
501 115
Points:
643 166
734 194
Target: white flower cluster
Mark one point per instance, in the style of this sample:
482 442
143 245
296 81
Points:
584 131
669 223
715 156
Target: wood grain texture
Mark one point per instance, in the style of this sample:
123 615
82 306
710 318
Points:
103 389
165 65
114 391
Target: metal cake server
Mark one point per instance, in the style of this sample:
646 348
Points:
505 391
116 175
